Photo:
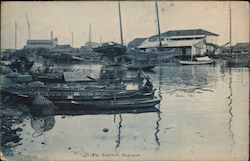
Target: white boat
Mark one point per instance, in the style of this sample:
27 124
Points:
197 61
77 58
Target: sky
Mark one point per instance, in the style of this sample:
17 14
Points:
138 20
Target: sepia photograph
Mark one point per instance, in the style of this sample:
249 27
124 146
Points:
124 80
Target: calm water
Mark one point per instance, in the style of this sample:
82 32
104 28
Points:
203 115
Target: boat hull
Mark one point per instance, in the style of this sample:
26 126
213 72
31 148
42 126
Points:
69 100
182 62
109 104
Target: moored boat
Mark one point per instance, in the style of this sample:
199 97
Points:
88 98
109 104
197 61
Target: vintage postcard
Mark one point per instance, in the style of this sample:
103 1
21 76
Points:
125 80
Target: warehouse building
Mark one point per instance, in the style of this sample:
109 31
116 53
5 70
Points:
185 42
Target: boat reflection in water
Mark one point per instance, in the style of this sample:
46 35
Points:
42 122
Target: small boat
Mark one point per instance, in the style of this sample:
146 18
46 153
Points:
76 93
77 58
84 97
109 104
197 61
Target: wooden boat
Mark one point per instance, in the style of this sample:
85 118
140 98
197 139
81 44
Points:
109 104
76 93
197 61
83 97
77 100
77 58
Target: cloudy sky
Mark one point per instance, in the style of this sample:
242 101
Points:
138 19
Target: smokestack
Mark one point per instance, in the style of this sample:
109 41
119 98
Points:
51 35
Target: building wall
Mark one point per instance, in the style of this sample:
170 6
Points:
41 43
211 39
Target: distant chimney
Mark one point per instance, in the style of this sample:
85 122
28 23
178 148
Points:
51 35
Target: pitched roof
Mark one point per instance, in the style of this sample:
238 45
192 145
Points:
136 42
183 33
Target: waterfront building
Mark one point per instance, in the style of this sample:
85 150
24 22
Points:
242 48
185 42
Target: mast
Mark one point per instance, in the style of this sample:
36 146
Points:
72 37
29 31
158 24
100 38
230 27
89 34
28 24
15 36
120 19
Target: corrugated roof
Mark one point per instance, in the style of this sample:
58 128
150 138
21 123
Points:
183 33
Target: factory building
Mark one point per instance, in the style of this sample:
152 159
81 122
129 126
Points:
48 44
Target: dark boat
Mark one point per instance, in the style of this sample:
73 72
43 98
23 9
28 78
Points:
89 98
109 104
110 49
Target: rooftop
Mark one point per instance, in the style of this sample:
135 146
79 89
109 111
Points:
184 33
39 40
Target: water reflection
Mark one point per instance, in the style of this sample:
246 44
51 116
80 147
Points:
104 112
230 108
186 79
158 113
118 141
157 131
42 124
